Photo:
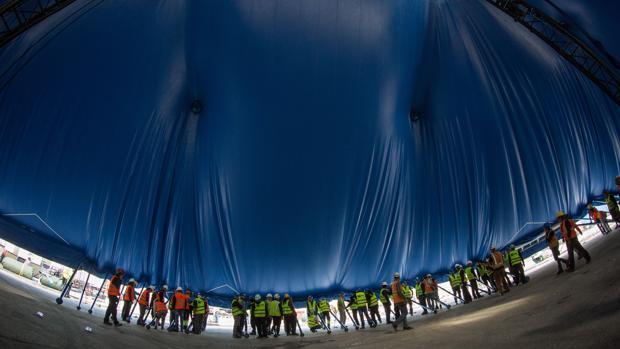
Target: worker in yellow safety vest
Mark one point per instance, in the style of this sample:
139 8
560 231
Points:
384 297
408 292
259 312
373 306
362 310
275 312
312 311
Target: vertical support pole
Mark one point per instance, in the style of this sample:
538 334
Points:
79 306
90 311
67 286
134 306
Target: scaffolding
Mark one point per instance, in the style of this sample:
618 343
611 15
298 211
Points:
17 16
565 43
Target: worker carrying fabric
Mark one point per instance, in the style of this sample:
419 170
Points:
408 292
177 306
129 296
290 316
515 258
353 306
612 206
259 313
373 306
362 310
158 305
455 283
554 246
499 273
399 303
275 312
342 310
143 303
384 297
569 230
464 281
312 310
239 315
600 218
114 292
199 309
324 308
473 278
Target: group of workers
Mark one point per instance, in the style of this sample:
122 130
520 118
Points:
186 313
397 298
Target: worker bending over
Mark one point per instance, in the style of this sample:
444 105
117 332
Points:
158 305
143 303
312 310
129 296
360 299
373 306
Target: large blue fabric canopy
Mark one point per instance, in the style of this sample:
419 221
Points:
302 173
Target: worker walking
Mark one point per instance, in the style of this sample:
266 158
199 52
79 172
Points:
569 230
129 296
275 312
342 310
113 296
199 309
360 299
612 205
143 303
399 303
384 297
515 258
554 246
419 293
268 318
600 218
408 292
373 306
455 283
290 316
499 272
239 315
188 309
259 313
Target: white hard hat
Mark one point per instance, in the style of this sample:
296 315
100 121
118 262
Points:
384 283
470 262
151 287
179 289
397 275
257 297
428 275
132 281
269 295
512 246
493 247
276 296
165 287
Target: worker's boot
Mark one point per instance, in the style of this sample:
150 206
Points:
107 322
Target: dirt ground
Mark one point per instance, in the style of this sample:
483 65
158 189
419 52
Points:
578 310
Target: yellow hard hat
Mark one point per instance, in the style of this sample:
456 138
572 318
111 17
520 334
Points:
559 214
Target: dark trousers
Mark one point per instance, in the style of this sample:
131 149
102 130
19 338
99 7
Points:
519 273
466 294
277 320
474 289
326 318
141 319
422 300
253 324
410 303
197 323
363 312
388 312
357 321
573 245
238 326
261 326
290 324
125 311
268 323
111 310
374 313
555 251
457 294
401 310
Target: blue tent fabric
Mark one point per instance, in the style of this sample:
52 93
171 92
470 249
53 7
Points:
303 172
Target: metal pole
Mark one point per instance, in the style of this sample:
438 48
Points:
90 311
453 295
83 290
67 286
